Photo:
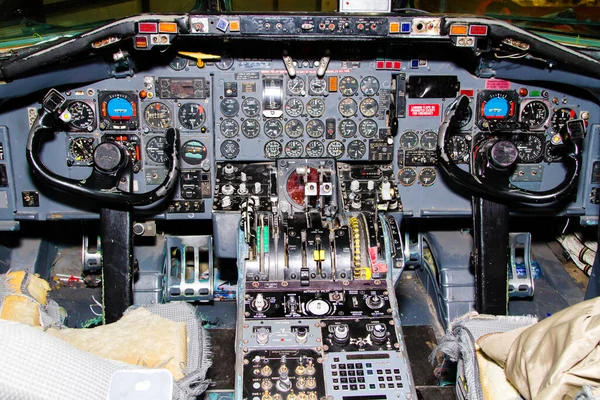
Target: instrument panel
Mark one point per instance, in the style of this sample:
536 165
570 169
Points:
360 110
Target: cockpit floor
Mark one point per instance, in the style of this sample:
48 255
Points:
421 327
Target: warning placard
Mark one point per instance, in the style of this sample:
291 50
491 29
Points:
497 84
423 110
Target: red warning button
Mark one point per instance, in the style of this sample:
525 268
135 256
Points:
423 110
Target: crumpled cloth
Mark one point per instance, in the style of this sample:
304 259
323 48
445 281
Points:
553 359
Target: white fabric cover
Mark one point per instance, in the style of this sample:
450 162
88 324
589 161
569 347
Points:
37 366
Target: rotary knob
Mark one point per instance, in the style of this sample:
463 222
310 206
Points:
284 384
341 335
379 334
262 336
374 302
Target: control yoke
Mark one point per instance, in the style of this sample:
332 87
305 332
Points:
111 180
492 161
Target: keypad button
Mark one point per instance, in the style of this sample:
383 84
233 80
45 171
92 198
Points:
344 380
379 371
352 380
353 387
382 386
334 373
388 371
342 366
350 366
344 387
389 378
333 366
398 378
361 379
336 387
391 385
336 380
336 359
372 386
351 373
343 373
359 365
360 372
361 386
396 371
369 365
369 372
380 378
399 385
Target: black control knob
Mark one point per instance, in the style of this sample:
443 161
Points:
379 334
108 157
341 335
503 154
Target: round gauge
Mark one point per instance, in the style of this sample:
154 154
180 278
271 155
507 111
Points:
317 85
273 128
464 116
294 148
225 62
229 128
551 153
315 107
294 128
335 149
315 149
178 63
348 128
315 128
429 140
191 116
156 149
82 115
369 86
498 105
457 148
230 149
531 149
369 107
250 128
229 107
560 118
296 86
251 107
348 86
158 115
273 149
427 176
368 128
348 107
118 111
409 140
193 152
407 176
294 107
356 149
81 149
535 114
